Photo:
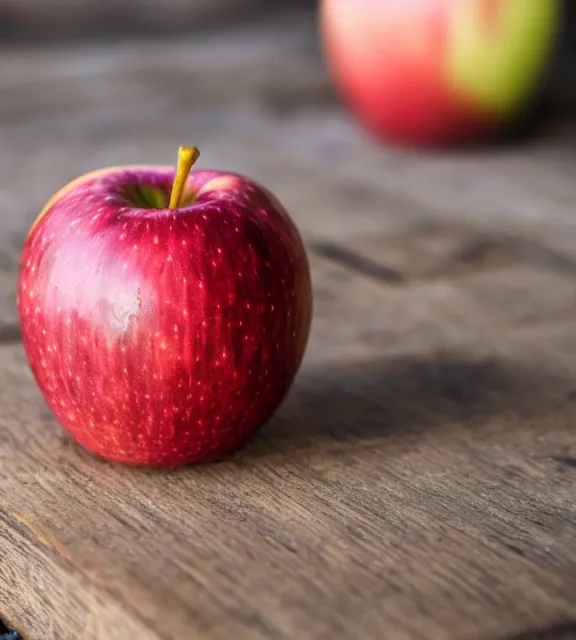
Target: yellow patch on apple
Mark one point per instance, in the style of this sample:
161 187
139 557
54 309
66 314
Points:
220 183
499 49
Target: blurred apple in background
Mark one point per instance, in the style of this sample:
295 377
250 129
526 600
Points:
431 72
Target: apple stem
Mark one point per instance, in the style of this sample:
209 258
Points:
187 156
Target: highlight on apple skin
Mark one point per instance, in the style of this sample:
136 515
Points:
436 72
163 336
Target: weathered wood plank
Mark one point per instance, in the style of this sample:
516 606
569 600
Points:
34 21
425 490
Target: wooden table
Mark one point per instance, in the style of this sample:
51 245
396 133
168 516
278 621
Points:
420 480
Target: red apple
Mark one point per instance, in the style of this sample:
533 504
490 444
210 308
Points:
438 71
164 318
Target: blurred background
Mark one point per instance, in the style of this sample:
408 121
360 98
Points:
80 19
86 84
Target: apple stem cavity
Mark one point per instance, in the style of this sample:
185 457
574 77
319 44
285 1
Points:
187 156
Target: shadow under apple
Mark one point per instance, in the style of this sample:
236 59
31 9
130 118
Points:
397 397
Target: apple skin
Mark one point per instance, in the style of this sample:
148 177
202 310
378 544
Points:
438 72
164 337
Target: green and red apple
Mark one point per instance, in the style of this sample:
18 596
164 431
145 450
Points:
438 71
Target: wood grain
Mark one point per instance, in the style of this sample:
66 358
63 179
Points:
27 20
418 482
